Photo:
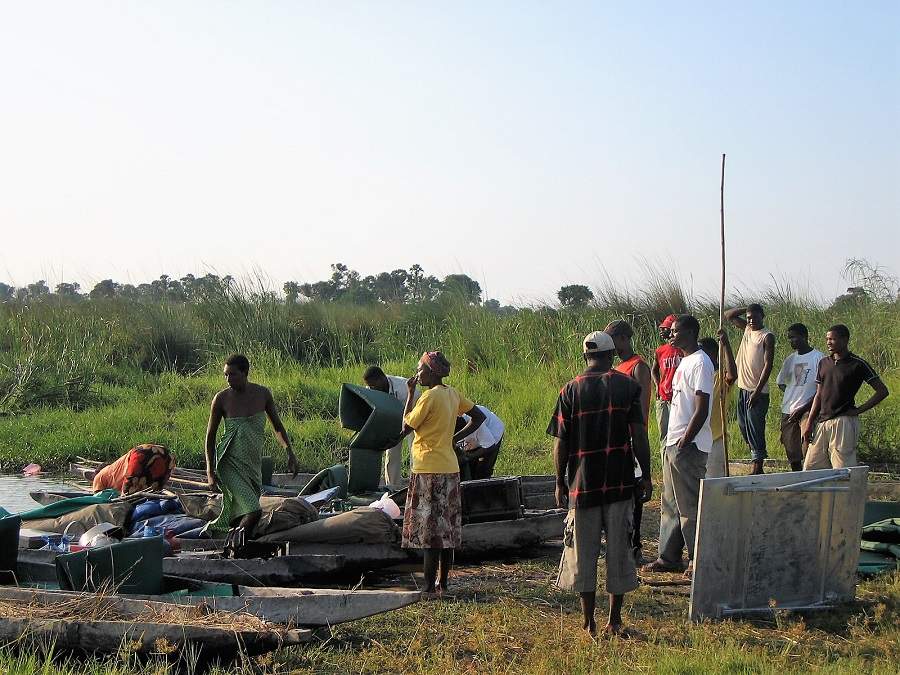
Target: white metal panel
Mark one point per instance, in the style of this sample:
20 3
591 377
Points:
777 540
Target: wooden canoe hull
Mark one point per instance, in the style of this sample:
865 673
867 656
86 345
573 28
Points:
292 606
139 636
306 607
480 541
143 638
281 571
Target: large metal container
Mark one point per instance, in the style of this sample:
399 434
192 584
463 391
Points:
491 499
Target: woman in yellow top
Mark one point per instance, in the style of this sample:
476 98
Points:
432 520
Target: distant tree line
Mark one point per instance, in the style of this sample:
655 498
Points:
399 286
185 289
344 285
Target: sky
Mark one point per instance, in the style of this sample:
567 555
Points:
527 144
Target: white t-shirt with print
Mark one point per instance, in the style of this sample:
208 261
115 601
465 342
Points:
695 373
488 434
798 375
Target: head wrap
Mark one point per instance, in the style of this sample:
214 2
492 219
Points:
437 363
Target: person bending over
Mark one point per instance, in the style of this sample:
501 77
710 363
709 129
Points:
478 451
375 378
144 467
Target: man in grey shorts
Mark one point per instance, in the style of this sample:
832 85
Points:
599 429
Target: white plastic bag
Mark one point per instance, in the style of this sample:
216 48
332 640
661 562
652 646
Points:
388 505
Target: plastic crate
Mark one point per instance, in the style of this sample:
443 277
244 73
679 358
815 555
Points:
491 499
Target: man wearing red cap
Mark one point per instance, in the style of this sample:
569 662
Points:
665 362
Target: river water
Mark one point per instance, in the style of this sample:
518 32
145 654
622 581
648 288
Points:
14 490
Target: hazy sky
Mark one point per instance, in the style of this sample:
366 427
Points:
529 145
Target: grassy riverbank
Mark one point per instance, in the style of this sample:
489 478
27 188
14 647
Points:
509 618
96 377
173 409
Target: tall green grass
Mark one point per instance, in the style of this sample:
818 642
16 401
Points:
96 377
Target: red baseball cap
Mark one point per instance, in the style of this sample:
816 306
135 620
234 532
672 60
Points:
668 321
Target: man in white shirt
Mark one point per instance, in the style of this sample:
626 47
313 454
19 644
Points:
394 385
797 380
480 448
688 442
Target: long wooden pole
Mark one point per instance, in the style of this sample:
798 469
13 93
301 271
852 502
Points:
723 389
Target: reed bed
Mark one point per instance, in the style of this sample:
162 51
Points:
95 377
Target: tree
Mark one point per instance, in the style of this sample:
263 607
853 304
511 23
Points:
37 290
291 291
390 287
104 289
128 291
67 290
323 291
462 287
7 292
574 296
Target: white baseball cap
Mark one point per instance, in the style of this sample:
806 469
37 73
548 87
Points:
597 342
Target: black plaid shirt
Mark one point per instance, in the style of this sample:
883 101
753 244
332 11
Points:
593 416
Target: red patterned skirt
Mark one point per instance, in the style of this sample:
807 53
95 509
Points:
433 514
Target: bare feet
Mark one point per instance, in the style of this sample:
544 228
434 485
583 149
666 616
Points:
444 593
619 631
660 565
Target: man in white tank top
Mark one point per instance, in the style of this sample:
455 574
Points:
755 359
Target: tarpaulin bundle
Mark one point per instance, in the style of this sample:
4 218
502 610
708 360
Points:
65 506
880 547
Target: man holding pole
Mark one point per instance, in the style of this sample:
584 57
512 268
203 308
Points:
755 359
726 375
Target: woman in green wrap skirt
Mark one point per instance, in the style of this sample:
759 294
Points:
234 464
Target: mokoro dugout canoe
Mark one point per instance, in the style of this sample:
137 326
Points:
287 570
292 606
135 631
